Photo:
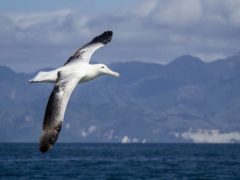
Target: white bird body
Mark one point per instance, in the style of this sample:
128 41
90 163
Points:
84 70
76 70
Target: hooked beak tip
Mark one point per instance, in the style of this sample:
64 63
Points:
116 74
112 73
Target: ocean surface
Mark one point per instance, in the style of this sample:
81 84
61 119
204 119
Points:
121 161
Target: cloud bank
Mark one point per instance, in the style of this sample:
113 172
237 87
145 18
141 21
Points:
151 31
209 136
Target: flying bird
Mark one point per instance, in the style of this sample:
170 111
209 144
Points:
76 70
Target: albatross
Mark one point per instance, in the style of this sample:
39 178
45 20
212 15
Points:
76 70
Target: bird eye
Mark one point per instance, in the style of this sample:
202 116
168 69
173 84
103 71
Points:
102 67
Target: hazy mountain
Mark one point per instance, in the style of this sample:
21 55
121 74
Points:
149 102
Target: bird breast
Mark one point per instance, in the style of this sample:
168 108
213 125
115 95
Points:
90 75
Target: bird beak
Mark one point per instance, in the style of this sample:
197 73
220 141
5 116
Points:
112 73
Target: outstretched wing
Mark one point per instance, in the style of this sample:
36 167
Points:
85 52
55 109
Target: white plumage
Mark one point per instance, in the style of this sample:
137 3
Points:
76 70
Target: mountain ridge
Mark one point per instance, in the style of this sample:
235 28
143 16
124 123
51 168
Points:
149 102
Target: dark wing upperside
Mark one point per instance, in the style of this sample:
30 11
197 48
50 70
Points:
55 110
84 53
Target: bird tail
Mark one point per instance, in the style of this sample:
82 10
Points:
42 76
48 137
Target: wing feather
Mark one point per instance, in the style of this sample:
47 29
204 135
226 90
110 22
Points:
55 110
85 52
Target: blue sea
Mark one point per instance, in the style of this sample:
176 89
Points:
120 161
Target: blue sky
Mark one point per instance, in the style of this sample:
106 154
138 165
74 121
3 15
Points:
86 6
38 34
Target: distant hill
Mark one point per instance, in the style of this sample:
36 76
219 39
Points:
148 103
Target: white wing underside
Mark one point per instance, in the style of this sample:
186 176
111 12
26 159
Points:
56 108
85 53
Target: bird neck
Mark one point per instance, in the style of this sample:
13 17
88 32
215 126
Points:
95 70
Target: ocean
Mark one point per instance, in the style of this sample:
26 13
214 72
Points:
120 161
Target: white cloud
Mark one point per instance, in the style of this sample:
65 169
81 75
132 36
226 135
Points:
174 12
209 136
235 16
146 7
135 140
125 139
83 133
46 28
28 118
68 126
152 31
91 129
37 19
86 132
109 134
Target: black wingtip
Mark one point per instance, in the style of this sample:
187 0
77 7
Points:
49 137
45 142
44 148
104 38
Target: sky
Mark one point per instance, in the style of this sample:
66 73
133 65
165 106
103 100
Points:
40 34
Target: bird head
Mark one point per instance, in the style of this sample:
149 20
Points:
103 69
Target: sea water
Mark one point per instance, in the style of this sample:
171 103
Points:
120 161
